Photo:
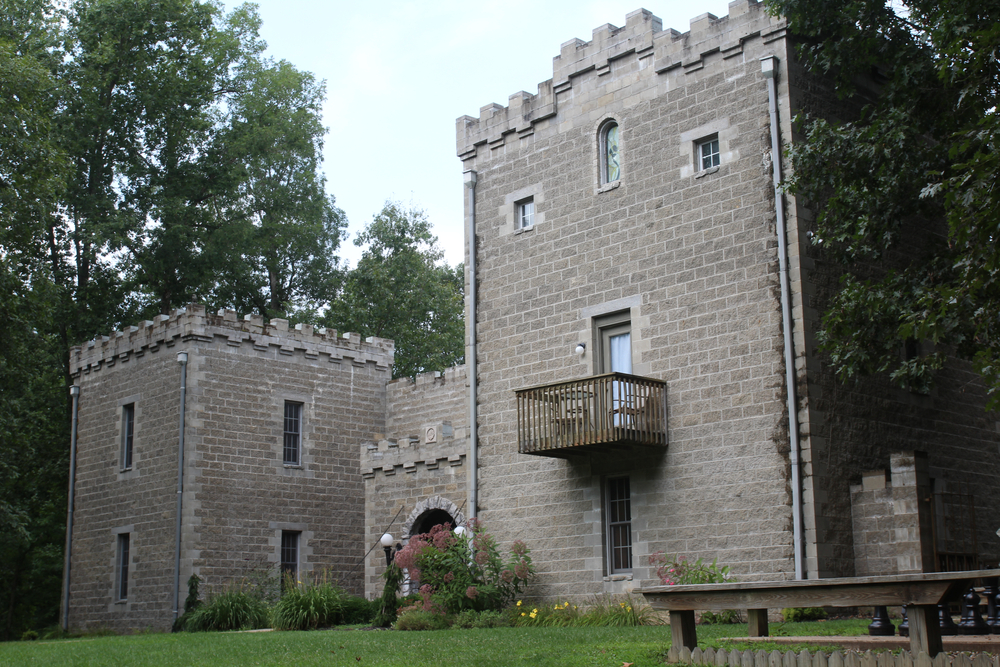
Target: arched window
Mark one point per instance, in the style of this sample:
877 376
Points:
610 156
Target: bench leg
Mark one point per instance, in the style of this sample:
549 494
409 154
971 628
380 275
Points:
925 629
757 622
682 629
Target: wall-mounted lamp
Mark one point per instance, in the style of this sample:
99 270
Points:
580 348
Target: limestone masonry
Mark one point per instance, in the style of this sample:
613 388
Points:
630 379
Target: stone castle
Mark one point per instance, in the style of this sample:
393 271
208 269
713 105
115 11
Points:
642 372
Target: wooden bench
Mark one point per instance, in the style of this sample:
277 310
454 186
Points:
921 593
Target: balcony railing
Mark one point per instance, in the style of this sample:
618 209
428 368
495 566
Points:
592 414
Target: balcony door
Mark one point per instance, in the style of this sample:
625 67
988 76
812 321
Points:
615 333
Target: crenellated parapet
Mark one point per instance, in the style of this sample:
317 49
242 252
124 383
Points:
193 323
641 38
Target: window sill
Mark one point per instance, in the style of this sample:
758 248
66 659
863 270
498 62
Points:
607 187
706 172
522 230
293 466
622 576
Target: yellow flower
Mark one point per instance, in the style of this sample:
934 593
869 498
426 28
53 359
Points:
518 603
522 613
533 613
630 609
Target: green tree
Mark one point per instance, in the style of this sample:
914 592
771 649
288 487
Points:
905 193
282 253
400 290
129 173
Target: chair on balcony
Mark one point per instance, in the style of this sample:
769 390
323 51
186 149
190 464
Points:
640 413
571 413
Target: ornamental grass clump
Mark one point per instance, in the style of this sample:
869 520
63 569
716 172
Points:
605 611
235 608
458 573
308 605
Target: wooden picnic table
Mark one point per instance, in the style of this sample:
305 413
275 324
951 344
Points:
921 593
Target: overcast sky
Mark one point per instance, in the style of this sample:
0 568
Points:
399 72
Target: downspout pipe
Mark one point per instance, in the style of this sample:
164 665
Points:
182 359
74 391
469 178
769 67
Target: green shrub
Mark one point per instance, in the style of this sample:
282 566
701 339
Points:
386 606
191 603
677 571
233 609
307 606
418 619
29 636
357 610
797 615
722 618
471 619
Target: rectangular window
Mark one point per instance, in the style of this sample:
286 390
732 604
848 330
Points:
289 555
526 214
618 517
128 435
708 153
292 450
122 560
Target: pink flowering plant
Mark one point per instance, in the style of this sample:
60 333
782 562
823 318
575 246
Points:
458 573
677 571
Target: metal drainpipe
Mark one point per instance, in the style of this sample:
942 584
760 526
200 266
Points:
74 391
182 359
470 185
769 67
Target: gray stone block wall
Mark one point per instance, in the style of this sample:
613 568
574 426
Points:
238 494
690 254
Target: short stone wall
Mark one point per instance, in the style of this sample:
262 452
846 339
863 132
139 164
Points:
722 658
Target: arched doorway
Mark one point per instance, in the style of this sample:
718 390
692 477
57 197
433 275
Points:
429 519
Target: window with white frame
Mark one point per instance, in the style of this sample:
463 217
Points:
128 435
708 153
526 213
610 153
292 446
121 567
618 524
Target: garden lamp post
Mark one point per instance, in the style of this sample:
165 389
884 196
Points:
386 542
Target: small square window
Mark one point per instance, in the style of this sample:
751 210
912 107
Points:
122 560
128 435
708 153
526 213
292 449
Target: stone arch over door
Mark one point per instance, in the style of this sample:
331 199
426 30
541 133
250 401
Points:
430 512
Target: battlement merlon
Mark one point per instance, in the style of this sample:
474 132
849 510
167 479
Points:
641 37
193 323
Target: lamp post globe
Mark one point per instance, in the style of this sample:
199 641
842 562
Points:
386 542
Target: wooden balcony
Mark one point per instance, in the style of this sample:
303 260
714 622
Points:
599 413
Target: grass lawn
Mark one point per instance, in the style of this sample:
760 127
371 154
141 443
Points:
501 647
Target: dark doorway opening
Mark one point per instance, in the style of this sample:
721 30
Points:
430 519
